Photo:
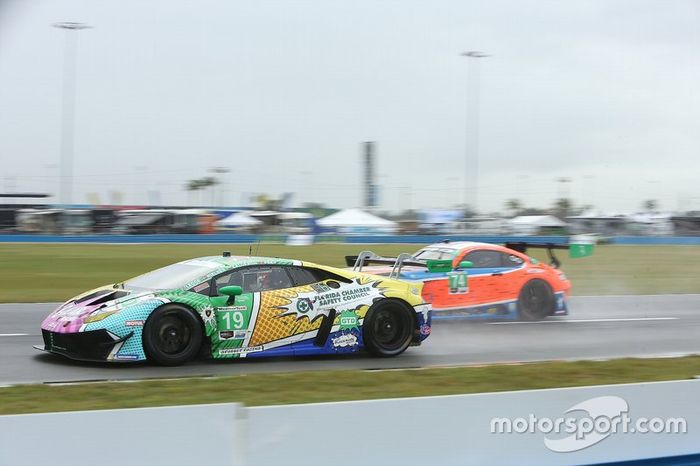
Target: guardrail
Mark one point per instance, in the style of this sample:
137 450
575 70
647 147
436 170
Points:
492 428
359 239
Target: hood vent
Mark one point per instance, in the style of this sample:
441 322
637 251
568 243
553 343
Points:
102 296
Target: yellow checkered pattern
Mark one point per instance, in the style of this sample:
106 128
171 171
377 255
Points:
270 327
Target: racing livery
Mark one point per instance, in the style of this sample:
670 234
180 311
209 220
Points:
481 280
236 307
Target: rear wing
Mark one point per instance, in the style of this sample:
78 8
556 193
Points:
368 257
578 246
433 265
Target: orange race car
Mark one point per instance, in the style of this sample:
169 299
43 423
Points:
480 280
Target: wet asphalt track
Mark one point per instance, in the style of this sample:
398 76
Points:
598 328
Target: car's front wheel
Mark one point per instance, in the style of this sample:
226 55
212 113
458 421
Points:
536 300
172 335
388 328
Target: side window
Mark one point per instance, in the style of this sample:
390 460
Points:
511 260
485 259
231 278
301 276
264 278
323 275
202 288
433 254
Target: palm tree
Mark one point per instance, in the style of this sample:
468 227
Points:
514 205
650 205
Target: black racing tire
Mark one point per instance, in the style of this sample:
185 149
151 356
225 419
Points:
388 328
536 300
172 335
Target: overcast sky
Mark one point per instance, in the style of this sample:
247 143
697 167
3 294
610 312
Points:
283 93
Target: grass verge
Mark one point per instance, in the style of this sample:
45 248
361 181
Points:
56 272
342 385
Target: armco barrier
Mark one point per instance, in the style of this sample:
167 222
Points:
443 430
657 240
236 238
173 436
359 239
450 430
129 239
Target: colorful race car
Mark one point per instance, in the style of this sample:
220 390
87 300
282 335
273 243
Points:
235 307
480 280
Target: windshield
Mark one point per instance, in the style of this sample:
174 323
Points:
172 276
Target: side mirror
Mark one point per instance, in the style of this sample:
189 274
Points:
465 265
231 291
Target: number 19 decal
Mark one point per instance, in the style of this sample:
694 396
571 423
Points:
235 317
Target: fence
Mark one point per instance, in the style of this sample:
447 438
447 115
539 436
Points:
359 239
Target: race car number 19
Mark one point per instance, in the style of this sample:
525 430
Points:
233 317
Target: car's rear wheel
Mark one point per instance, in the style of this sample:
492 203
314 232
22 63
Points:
536 300
172 335
388 328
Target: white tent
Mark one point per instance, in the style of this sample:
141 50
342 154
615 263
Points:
239 219
532 224
538 220
357 221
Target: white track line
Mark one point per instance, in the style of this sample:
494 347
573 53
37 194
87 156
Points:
14 334
579 321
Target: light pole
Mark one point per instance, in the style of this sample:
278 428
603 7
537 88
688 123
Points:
68 109
472 145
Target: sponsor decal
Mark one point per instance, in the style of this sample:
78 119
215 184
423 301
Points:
313 305
208 316
134 323
348 320
252 349
232 308
343 341
425 329
321 287
129 357
424 310
233 334
304 305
